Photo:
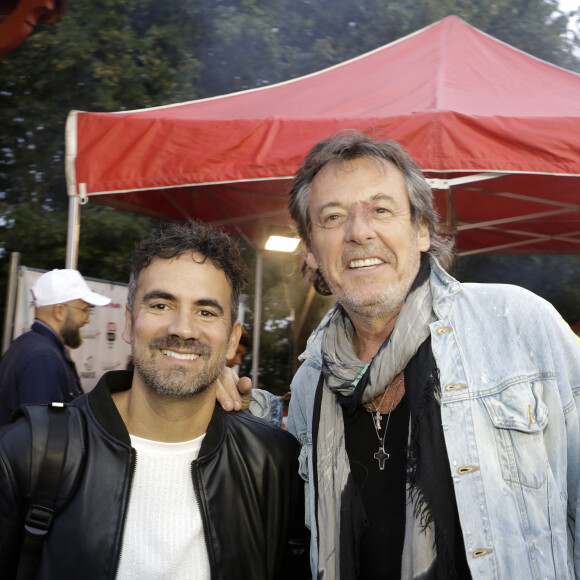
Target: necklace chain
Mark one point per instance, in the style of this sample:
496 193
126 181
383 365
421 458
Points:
377 408
381 455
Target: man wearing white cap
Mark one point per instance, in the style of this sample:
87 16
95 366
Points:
37 368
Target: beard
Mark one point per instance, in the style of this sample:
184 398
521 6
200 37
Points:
369 305
179 382
70 332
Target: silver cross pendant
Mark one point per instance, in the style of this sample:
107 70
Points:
381 456
378 418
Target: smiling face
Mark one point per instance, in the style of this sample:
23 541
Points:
180 327
363 240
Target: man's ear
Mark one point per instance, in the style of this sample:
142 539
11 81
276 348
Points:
128 325
309 258
423 237
58 312
235 335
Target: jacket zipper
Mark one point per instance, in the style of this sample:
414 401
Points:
195 479
126 510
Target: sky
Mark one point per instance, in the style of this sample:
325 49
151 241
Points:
567 5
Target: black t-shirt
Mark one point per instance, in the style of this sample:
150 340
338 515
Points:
383 492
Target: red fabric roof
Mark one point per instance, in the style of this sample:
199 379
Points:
459 100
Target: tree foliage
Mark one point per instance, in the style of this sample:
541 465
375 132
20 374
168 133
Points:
107 240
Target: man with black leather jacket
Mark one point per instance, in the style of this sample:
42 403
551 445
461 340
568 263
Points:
166 483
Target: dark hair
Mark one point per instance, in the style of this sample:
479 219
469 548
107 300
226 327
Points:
349 145
174 240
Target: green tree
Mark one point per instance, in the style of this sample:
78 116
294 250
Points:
106 244
93 60
320 33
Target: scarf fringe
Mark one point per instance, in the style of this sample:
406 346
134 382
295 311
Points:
421 508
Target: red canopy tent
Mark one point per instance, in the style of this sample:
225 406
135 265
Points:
495 129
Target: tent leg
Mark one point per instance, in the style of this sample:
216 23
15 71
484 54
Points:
72 240
257 316
10 300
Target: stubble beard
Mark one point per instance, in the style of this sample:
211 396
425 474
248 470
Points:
177 383
359 304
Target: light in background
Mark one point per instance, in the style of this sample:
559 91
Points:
282 244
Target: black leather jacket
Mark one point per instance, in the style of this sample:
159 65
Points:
245 479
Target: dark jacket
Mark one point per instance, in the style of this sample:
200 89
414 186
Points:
36 369
245 480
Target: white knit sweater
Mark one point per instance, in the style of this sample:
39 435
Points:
163 537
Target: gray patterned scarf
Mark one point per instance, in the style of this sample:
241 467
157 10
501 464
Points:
342 371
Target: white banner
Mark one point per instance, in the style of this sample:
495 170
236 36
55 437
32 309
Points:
103 349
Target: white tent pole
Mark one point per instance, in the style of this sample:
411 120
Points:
10 300
257 316
437 183
74 220
72 239
463 227
256 330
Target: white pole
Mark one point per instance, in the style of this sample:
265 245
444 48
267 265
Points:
257 314
10 300
72 239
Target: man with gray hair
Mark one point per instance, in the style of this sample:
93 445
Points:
438 420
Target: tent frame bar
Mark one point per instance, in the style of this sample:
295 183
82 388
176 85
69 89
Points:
73 232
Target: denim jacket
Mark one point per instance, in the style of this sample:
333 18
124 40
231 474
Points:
510 380
267 406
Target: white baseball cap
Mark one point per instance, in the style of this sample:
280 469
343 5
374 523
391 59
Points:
60 286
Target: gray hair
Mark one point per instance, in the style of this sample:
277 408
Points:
193 237
349 145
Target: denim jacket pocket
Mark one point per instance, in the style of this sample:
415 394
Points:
520 417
